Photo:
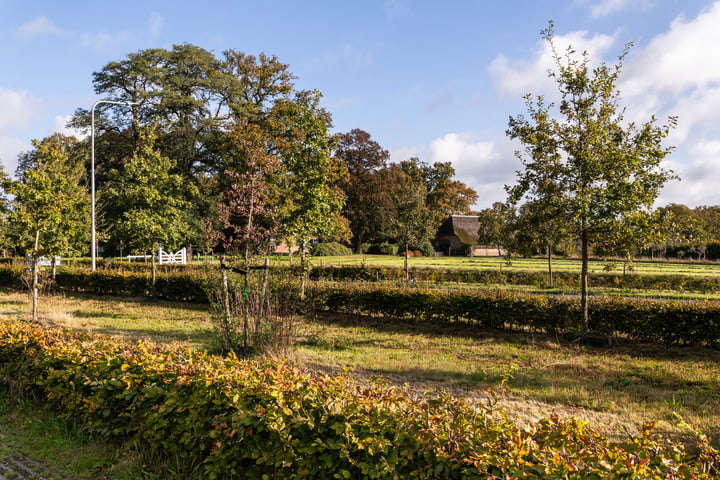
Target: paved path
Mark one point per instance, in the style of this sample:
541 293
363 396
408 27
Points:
15 465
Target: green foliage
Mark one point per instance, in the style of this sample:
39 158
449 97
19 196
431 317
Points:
154 200
330 249
658 321
584 164
427 249
445 196
311 200
217 418
384 249
50 212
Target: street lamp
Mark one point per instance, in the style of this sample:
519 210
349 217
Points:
93 246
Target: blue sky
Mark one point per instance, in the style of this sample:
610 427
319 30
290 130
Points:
436 80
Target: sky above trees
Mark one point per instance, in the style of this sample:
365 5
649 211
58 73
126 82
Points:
425 79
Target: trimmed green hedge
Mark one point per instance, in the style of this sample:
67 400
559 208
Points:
76 278
514 277
330 249
173 285
215 418
660 321
672 322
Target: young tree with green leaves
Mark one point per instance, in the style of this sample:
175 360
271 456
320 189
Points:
49 213
154 201
495 226
311 200
412 222
445 195
608 171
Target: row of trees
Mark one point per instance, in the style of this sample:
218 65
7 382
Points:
220 154
678 231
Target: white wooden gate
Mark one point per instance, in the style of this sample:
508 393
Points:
179 257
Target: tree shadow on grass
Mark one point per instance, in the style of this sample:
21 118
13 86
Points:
620 346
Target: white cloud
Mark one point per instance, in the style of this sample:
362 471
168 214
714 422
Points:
60 126
698 176
103 40
156 25
39 26
679 60
697 113
607 7
486 166
9 149
514 79
344 53
16 109
396 8
42 26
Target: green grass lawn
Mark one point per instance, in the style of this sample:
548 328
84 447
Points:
645 267
29 434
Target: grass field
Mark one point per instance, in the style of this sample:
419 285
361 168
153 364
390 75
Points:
646 267
617 388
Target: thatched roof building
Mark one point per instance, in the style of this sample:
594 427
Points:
458 235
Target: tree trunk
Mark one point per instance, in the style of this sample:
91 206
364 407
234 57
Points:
54 270
154 275
35 272
407 269
550 271
303 273
263 302
246 314
358 244
585 317
251 212
226 306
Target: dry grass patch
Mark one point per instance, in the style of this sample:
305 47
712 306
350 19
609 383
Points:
617 388
129 318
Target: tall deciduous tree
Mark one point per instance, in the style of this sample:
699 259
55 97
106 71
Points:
50 210
367 205
412 222
608 170
154 201
311 197
201 103
495 226
445 195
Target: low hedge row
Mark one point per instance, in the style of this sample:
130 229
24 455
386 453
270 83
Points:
660 321
215 418
518 277
69 277
173 285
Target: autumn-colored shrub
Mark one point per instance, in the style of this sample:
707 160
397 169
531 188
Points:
221 418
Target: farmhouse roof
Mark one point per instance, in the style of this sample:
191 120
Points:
464 227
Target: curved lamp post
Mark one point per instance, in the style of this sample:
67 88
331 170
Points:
93 245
